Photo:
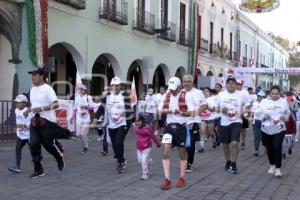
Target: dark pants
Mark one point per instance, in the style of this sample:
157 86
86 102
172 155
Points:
44 132
102 132
195 136
273 143
257 134
19 146
117 137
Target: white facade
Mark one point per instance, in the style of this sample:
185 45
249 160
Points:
221 13
88 37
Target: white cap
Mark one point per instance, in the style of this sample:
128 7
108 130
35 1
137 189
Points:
150 91
115 81
174 82
241 82
82 86
21 98
261 93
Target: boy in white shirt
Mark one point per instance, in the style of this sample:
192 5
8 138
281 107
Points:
23 123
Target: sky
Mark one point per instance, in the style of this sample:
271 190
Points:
284 21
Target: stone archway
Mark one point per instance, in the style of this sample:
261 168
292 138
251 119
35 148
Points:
161 77
11 27
64 61
105 68
180 72
135 72
209 73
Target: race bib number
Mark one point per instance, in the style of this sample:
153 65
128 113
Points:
167 139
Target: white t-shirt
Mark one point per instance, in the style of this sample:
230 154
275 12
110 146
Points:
159 98
96 106
115 106
173 105
252 98
150 104
23 133
257 111
234 103
274 110
82 114
41 96
246 96
206 114
195 98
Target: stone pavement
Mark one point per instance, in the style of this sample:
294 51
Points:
92 176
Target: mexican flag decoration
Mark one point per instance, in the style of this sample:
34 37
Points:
37 31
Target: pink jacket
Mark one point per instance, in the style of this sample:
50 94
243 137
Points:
144 137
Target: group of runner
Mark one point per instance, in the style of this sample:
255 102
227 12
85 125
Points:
183 115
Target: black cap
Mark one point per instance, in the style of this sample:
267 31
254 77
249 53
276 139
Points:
39 71
231 78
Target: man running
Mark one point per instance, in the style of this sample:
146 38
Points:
230 104
175 107
196 98
43 129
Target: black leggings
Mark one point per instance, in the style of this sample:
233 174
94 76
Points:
19 146
117 136
273 143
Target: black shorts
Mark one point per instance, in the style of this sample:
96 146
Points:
195 131
178 133
245 123
230 133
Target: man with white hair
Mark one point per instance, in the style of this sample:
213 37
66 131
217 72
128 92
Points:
196 98
175 107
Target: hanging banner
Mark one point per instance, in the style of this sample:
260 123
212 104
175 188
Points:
287 71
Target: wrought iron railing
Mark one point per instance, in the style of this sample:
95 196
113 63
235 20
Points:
184 37
213 49
114 10
204 44
144 21
7 120
78 4
170 31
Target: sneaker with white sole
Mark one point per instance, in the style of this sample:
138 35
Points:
145 177
278 172
271 169
15 169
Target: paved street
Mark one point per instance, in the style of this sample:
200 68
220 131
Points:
92 176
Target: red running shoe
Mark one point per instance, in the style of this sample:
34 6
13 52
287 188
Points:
180 182
166 184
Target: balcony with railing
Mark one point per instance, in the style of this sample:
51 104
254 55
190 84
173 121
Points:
213 49
77 4
115 11
144 21
204 45
184 37
169 33
245 64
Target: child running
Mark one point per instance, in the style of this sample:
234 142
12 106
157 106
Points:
23 123
143 144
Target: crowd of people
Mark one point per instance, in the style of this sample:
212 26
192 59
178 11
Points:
179 117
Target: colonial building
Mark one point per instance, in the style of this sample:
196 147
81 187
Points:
144 40
218 37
